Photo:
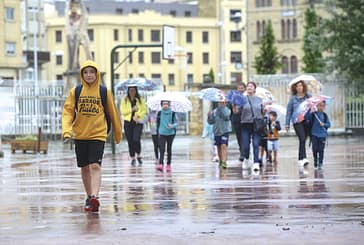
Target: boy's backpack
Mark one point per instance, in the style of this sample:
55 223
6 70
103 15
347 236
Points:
103 94
311 124
159 119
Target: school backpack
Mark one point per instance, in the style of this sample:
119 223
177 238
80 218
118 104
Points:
311 124
159 120
103 94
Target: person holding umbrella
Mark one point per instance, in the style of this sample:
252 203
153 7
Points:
298 95
134 110
166 127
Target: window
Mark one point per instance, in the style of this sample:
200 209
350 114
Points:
116 76
205 37
156 57
141 75
171 79
10 48
236 77
90 33
59 77
130 35
294 29
170 61
59 59
187 13
131 75
58 36
140 35
189 78
189 37
116 57
205 58
9 13
135 11
156 76
130 57
294 64
235 36
263 3
288 29
172 13
190 58
119 11
284 65
116 35
235 57
155 36
141 57
259 30
235 15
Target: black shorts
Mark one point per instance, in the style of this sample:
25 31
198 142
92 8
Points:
89 151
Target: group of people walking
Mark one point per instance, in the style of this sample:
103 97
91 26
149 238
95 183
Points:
90 108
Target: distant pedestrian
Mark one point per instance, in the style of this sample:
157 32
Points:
274 127
299 94
85 117
152 120
319 123
220 119
208 130
167 122
236 115
133 109
263 143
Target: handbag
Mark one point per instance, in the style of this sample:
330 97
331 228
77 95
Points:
259 124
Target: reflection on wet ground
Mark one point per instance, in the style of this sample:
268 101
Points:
43 194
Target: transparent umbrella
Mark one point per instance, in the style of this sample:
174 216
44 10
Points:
179 102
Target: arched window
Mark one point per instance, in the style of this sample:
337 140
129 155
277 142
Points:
288 29
257 3
258 30
284 65
263 28
294 64
283 29
294 29
269 3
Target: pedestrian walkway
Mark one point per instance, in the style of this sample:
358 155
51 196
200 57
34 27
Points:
42 198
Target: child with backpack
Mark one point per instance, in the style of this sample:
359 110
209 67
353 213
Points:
274 127
220 118
85 117
166 127
319 123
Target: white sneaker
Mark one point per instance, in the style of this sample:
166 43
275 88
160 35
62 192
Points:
305 161
256 167
245 164
300 162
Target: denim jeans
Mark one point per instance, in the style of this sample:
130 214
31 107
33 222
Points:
318 147
247 134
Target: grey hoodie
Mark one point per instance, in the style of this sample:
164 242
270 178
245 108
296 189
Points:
246 113
220 118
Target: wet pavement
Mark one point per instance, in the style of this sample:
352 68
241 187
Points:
42 198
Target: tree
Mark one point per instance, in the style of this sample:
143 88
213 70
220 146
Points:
312 59
210 78
267 61
345 39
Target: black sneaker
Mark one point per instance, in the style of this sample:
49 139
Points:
140 161
133 162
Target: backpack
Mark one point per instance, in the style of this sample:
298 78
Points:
159 119
311 124
103 94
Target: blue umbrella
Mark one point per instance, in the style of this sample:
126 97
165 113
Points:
140 82
236 98
211 94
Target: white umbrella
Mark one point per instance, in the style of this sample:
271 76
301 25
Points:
211 94
263 93
179 102
314 86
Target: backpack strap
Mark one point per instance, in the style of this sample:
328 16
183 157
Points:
173 117
77 95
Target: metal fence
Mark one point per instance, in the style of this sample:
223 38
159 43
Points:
22 112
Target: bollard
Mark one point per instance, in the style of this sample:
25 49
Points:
1 148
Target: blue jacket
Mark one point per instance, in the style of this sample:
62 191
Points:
292 106
220 118
316 129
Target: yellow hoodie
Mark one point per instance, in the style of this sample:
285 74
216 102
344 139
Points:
90 122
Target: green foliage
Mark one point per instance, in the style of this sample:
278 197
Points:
27 137
344 33
312 59
211 75
267 60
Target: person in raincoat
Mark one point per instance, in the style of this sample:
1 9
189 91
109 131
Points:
86 121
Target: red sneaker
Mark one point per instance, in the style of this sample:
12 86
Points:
160 167
95 204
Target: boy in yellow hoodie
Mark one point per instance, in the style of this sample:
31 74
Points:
87 123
